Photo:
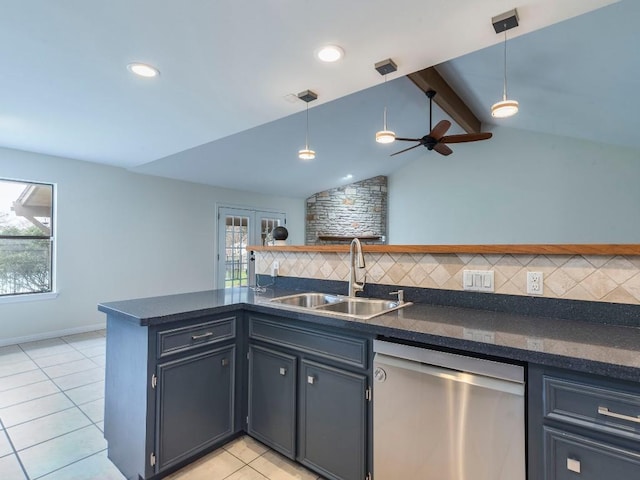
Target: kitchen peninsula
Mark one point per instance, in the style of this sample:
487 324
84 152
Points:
169 359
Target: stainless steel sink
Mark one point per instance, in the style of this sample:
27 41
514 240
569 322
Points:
307 300
354 307
362 307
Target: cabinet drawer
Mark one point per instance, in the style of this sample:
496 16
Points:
571 457
599 408
348 350
186 338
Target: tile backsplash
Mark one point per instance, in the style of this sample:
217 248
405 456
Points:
602 278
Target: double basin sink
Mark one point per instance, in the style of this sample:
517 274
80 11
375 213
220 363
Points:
355 307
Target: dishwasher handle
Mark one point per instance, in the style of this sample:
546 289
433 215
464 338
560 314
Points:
506 386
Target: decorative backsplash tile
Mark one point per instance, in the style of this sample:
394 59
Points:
579 277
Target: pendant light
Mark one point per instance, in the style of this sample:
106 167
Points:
306 153
384 67
505 107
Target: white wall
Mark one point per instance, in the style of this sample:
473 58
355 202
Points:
518 187
122 235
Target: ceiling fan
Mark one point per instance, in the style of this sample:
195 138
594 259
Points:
436 139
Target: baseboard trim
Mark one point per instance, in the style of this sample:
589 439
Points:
53 334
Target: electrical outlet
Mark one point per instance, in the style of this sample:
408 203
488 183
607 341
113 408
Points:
275 268
535 283
535 343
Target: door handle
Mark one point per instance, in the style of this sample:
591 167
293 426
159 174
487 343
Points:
225 362
311 379
283 371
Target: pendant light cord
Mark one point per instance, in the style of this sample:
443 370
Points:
504 92
307 134
386 102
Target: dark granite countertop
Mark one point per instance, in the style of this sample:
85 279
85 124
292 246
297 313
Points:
603 349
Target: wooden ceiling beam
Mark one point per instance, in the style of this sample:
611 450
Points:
446 98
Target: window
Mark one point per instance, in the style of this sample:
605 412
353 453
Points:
26 237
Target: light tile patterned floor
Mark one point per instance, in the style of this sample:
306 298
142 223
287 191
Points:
51 420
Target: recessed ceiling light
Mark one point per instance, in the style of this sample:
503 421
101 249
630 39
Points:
143 70
330 53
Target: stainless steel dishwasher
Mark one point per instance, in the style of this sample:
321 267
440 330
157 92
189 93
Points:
443 416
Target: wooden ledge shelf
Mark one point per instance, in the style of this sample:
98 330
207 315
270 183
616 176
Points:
516 249
342 238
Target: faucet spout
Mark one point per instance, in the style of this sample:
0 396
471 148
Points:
356 260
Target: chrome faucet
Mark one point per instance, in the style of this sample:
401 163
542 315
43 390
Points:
356 260
400 294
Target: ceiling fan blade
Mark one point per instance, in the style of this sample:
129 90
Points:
465 137
409 139
440 129
442 149
406 149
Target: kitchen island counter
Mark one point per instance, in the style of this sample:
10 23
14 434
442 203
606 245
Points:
590 347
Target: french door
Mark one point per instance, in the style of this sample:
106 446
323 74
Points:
237 228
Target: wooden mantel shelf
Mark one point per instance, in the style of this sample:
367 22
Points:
516 249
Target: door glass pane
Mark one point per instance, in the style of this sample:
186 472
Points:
236 259
266 227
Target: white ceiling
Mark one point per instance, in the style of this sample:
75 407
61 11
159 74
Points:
218 114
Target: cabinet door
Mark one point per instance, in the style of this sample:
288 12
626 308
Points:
195 401
333 421
570 457
272 399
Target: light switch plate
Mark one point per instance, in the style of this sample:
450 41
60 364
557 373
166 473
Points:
477 335
478 280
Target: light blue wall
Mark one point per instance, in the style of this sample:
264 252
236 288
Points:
122 235
518 187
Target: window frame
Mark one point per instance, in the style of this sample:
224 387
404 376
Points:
51 292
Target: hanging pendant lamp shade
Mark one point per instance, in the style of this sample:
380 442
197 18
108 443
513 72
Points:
385 135
306 153
505 107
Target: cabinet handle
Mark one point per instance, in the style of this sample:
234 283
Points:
225 362
311 379
605 411
200 337
573 465
283 371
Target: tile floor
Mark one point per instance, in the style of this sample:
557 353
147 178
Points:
51 420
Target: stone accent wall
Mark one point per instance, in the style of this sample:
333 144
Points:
355 210
603 278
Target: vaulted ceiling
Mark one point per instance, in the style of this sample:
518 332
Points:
220 112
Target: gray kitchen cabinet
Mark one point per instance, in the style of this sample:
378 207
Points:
582 426
272 399
333 421
194 404
324 410
170 392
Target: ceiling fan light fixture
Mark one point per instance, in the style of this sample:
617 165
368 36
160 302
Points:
385 136
504 108
306 154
